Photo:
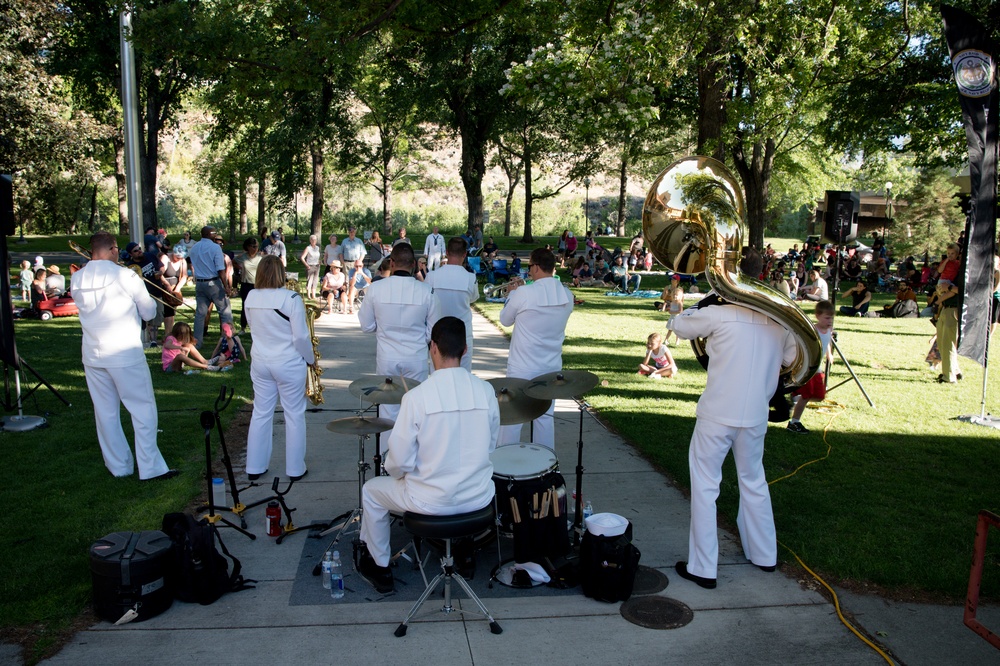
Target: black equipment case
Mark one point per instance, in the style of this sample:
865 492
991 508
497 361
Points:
128 571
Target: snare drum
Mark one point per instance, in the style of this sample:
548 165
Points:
521 473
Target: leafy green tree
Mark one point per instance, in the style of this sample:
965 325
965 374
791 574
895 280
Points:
932 218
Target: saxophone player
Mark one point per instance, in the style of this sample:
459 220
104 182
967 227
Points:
280 355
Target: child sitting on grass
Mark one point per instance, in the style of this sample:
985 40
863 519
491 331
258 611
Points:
179 350
657 352
815 388
230 347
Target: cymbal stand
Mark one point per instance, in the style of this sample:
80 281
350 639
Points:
207 421
354 518
578 526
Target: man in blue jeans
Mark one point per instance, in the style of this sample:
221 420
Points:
621 277
211 285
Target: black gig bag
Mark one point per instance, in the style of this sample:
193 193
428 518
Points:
608 565
197 572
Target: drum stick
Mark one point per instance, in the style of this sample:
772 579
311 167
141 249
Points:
545 504
534 512
513 509
555 503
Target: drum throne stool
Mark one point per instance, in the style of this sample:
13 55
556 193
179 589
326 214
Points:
421 526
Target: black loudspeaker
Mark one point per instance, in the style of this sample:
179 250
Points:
7 225
842 216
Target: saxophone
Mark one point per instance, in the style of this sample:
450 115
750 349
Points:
314 387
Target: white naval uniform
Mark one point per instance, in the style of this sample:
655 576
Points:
438 461
538 312
747 350
399 310
456 290
111 299
434 250
282 347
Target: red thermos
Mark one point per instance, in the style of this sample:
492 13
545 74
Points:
272 517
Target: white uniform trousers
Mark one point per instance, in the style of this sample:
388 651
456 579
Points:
433 261
384 495
412 369
287 380
466 360
710 443
543 434
132 386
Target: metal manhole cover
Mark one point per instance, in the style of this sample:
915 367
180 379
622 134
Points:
649 581
656 612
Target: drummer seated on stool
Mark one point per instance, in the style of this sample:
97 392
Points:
438 460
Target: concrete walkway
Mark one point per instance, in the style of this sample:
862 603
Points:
751 618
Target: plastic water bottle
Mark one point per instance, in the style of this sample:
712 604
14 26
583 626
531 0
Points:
336 577
588 511
326 567
218 492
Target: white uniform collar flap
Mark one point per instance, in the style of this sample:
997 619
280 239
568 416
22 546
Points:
454 392
549 292
405 291
268 299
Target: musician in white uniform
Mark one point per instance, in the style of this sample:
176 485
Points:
747 350
111 299
538 312
399 310
439 452
434 249
456 290
282 348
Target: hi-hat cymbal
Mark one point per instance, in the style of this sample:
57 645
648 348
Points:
356 425
515 406
382 390
562 384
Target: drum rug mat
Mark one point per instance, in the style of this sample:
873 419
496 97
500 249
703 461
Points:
308 590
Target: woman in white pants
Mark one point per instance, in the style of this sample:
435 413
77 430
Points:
281 351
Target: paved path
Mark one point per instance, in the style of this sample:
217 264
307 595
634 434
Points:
751 618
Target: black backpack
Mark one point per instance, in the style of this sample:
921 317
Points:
608 565
196 571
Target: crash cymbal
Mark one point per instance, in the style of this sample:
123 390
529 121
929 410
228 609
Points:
356 425
382 390
515 406
562 384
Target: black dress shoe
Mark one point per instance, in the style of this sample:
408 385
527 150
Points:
770 569
958 376
379 577
300 476
682 571
254 477
169 474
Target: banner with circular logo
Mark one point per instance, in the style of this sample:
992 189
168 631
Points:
973 72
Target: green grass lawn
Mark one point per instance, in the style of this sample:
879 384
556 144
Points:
895 504
57 494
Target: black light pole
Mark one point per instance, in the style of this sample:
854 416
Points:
586 210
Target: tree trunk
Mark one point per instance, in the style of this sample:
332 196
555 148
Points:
712 86
756 177
261 204
242 180
472 169
622 195
386 194
71 226
527 237
93 209
318 183
150 154
118 143
233 213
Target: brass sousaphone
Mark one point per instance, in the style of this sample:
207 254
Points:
693 222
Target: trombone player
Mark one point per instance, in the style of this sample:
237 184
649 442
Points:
112 300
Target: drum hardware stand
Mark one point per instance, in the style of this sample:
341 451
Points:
854 377
354 518
207 421
578 526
